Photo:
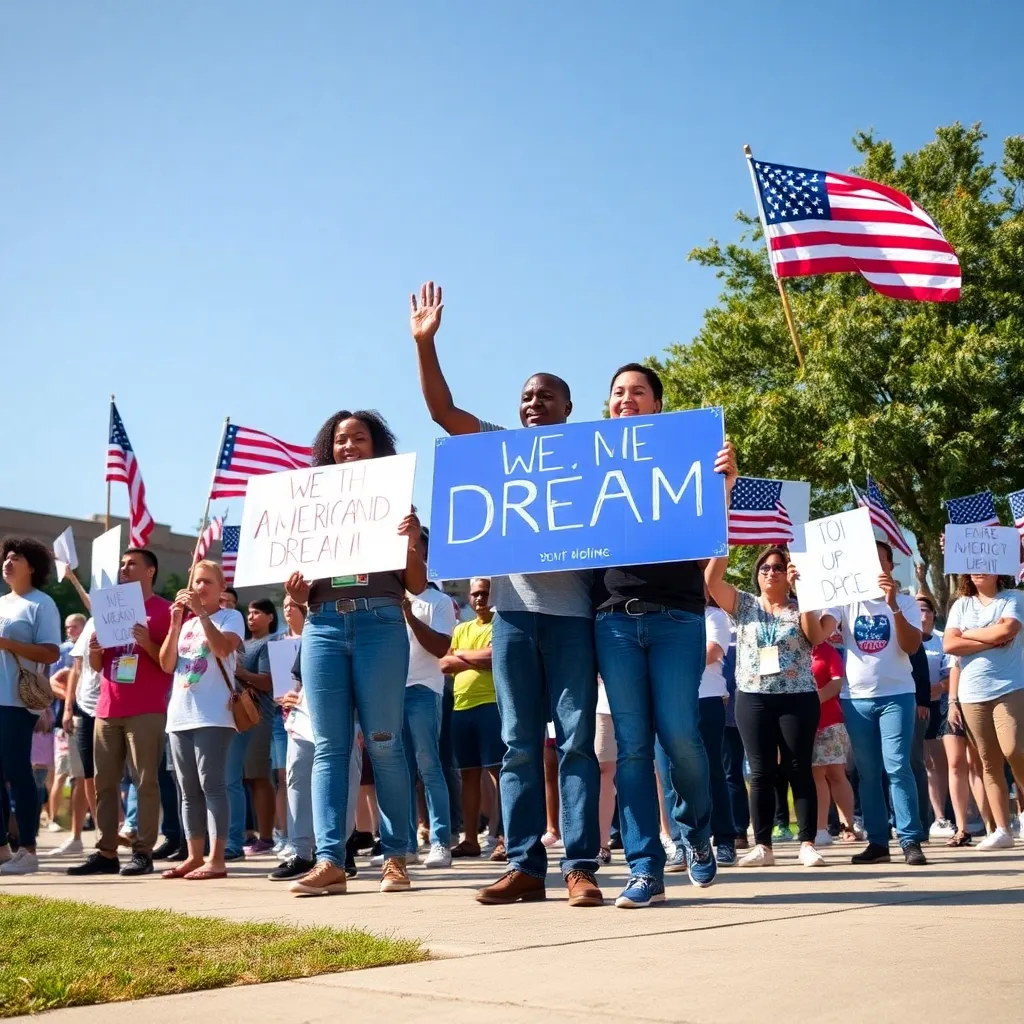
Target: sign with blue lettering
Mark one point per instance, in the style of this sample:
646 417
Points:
579 496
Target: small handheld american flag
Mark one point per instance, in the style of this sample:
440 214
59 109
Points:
229 552
757 514
246 453
973 510
123 467
210 534
881 515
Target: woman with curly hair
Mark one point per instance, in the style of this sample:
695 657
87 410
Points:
355 658
29 639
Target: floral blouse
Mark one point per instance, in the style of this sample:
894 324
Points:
757 628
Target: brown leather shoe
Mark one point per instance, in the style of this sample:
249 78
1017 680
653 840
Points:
513 887
583 889
466 849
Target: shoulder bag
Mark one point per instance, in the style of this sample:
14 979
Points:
244 709
34 690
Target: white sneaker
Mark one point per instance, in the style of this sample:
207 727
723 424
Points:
759 857
809 856
666 842
378 861
439 857
998 840
5 854
54 826
1015 826
70 845
22 863
942 828
823 838
487 845
412 857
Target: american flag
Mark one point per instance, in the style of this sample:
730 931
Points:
821 222
247 453
123 468
881 515
756 513
210 534
1017 510
974 510
229 552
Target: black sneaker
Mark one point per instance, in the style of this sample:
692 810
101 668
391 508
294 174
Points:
97 864
179 853
872 854
362 841
350 858
234 855
88 825
913 855
140 864
294 868
164 850
376 850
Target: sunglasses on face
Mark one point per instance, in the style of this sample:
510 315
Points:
772 570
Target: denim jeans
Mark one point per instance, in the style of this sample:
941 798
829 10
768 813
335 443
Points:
651 665
881 733
451 773
237 749
357 663
732 760
544 670
421 739
16 728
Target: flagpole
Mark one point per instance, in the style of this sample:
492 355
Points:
778 280
209 495
110 425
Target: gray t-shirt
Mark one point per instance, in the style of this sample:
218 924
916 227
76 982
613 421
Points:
30 619
546 593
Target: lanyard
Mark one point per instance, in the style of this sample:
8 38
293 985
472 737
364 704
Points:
767 628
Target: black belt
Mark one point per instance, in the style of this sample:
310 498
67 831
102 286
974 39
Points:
346 605
634 606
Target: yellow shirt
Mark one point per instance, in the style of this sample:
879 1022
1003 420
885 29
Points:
473 687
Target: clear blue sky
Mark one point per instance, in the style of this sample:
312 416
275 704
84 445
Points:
220 208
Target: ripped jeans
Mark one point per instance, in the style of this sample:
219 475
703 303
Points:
357 661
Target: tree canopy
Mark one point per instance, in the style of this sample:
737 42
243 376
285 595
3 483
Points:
927 397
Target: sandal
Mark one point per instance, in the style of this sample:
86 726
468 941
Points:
846 834
204 875
178 872
960 839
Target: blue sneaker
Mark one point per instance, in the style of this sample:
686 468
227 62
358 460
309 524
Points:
641 891
725 854
702 866
677 862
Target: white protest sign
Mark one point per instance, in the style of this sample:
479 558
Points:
64 553
993 550
796 496
106 559
116 611
329 521
837 559
282 657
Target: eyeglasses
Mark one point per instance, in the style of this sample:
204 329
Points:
772 570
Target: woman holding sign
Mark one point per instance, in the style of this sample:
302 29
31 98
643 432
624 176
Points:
355 656
777 705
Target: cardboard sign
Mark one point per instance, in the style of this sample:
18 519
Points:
282 658
116 611
64 553
578 496
329 521
992 550
838 561
106 559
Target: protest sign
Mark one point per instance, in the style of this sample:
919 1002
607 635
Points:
993 550
64 553
577 496
116 611
106 559
323 522
282 658
796 496
837 559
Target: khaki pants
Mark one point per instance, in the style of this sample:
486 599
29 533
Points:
139 739
996 727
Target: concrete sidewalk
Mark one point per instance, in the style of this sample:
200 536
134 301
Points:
878 943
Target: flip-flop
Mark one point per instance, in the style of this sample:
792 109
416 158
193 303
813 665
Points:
176 872
204 875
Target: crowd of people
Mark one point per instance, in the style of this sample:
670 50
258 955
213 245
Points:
625 708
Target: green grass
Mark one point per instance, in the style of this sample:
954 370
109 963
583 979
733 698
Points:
56 953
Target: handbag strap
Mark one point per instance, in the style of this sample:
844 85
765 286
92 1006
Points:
224 674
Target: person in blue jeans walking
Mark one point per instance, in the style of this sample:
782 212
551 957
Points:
543 664
651 652
880 710
355 657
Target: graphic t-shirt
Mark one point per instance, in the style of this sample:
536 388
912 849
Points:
31 618
199 696
434 609
255 657
826 665
87 693
716 624
132 682
473 686
876 665
999 670
756 629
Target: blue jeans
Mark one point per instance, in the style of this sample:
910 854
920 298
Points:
16 727
881 733
544 670
237 749
357 662
421 739
651 665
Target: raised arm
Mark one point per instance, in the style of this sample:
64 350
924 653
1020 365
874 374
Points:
169 648
424 321
907 636
79 589
723 593
414 576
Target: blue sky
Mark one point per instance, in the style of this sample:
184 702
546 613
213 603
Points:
220 209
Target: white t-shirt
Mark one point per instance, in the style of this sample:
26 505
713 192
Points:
876 665
712 682
999 670
298 722
434 609
938 660
87 693
199 694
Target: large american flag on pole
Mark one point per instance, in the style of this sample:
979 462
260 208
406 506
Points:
247 452
229 552
757 514
881 515
1017 510
822 222
973 510
123 468
212 532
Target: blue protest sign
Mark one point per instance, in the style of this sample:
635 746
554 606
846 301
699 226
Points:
579 496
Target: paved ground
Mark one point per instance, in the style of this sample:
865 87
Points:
835 944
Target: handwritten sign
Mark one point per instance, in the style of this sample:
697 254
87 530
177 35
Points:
838 560
106 559
330 521
282 658
991 550
117 611
64 553
578 496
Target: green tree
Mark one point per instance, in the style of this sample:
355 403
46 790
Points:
65 597
927 397
171 584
